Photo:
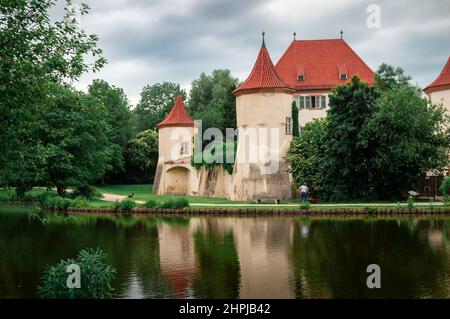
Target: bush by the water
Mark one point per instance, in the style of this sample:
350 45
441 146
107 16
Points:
151 203
6 196
126 204
178 203
51 200
445 190
95 277
88 192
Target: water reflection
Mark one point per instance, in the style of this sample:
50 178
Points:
213 257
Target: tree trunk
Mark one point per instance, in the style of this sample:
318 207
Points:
61 190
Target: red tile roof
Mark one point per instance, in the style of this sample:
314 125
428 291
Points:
322 62
263 74
443 78
178 116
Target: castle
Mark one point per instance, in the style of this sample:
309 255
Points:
306 73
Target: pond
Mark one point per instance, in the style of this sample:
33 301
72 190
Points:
233 257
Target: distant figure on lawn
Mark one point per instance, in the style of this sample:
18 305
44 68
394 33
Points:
131 195
304 192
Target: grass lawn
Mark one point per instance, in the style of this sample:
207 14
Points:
144 193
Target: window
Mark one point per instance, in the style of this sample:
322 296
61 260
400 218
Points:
344 77
320 102
308 102
184 148
301 78
311 102
288 125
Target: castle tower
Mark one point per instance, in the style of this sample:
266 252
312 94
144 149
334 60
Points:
264 120
174 173
439 90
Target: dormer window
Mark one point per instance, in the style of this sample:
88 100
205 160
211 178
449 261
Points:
342 70
300 73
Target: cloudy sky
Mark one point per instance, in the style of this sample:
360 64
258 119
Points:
148 41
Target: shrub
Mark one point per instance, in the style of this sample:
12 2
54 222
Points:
151 203
410 202
178 203
96 277
167 204
88 192
6 196
53 201
445 190
304 204
125 204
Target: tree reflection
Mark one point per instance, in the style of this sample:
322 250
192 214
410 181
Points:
331 260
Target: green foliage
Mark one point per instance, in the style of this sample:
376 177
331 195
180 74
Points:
211 100
51 200
295 126
151 203
88 192
306 157
156 102
124 205
410 202
118 118
305 205
347 152
444 188
177 203
35 52
96 277
73 129
374 143
388 77
142 156
7 196
408 136
215 154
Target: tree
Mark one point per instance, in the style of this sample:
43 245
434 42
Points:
156 102
306 157
348 154
142 156
35 52
295 126
375 142
118 118
388 76
211 100
410 137
73 129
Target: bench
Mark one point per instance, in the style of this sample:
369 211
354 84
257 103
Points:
259 199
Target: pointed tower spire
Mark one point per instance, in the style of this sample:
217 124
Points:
442 80
263 74
178 116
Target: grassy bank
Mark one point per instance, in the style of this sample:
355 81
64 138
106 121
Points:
143 193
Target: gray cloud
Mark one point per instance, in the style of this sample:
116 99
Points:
152 41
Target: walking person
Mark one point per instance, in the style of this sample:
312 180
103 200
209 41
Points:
304 192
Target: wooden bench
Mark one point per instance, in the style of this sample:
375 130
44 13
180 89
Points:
259 199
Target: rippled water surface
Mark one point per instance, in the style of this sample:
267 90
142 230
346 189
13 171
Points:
218 257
